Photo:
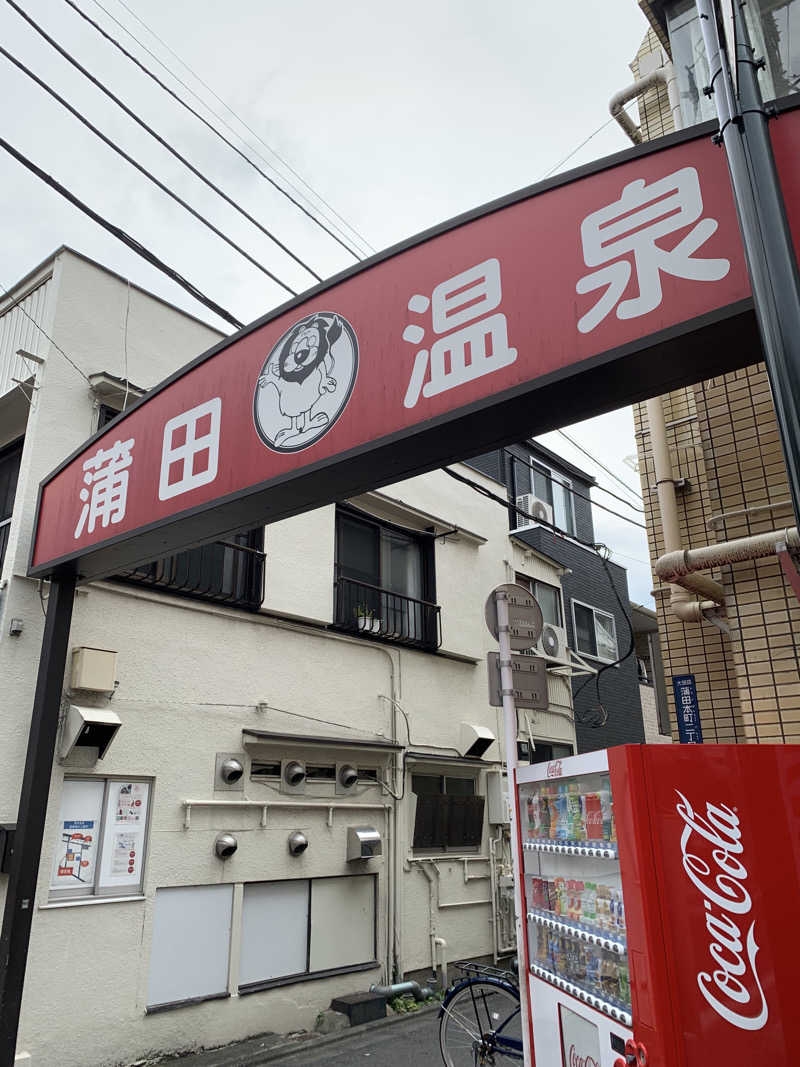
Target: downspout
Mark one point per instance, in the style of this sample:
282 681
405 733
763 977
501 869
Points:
685 587
665 75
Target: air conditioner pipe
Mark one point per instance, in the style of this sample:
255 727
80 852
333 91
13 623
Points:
399 988
665 75
680 565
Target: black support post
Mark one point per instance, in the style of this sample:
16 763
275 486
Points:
21 890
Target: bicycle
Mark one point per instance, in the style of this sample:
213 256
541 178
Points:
479 1021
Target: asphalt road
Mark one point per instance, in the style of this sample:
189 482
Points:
410 1043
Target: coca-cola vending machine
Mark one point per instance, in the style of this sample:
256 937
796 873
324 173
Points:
662 904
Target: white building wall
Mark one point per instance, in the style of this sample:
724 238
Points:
192 676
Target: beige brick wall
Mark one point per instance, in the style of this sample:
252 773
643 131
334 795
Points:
724 441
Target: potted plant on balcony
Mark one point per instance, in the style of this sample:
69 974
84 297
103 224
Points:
366 619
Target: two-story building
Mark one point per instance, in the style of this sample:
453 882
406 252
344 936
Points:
302 791
588 620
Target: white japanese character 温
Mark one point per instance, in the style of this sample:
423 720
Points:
634 224
480 346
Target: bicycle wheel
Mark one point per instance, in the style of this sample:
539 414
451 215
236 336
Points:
479 1024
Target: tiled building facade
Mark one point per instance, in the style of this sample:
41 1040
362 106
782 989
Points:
731 483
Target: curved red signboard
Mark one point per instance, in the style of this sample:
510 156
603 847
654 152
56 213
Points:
604 286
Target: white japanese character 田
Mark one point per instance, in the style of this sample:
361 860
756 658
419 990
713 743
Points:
635 224
105 492
190 449
479 347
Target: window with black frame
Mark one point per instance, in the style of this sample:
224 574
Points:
547 485
385 580
9 473
449 814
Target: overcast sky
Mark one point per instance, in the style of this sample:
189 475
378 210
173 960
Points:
400 116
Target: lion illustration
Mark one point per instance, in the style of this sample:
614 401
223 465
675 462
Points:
302 374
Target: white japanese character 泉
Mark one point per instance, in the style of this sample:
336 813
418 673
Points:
479 347
105 494
634 224
190 449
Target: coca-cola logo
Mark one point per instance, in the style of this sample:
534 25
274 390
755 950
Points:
554 769
734 989
576 1060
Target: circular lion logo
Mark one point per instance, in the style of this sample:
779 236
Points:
306 382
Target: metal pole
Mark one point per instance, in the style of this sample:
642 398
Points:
21 890
769 251
511 729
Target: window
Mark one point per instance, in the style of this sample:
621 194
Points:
298 929
449 815
548 485
547 596
774 27
595 632
9 473
545 751
102 838
385 581
185 967
229 572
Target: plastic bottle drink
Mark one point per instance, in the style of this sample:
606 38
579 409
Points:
575 813
593 816
606 808
561 896
624 983
530 805
609 977
588 902
592 967
620 915
543 812
562 822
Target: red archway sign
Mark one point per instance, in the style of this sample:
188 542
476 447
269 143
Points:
607 285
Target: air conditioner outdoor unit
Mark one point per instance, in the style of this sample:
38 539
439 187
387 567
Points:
539 510
553 642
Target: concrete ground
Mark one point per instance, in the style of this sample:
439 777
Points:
399 1041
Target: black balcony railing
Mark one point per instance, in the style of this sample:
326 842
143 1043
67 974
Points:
225 572
375 612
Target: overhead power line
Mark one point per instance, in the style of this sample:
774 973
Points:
143 170
602 466
206 123
87 74
228 126
121 235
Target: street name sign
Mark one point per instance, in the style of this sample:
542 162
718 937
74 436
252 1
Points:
606 285
529 675
524 616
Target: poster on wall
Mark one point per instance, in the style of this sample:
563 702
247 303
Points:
124 828
78 835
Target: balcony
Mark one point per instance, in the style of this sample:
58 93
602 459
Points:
224 572
373 612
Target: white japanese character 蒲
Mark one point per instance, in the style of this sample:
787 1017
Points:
479 347
634 224
105 494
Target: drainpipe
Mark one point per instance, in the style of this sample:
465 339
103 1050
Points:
684 586
665 75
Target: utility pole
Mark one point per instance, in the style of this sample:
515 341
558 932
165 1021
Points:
21 889
771 260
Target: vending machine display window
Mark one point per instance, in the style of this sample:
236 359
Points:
575 909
